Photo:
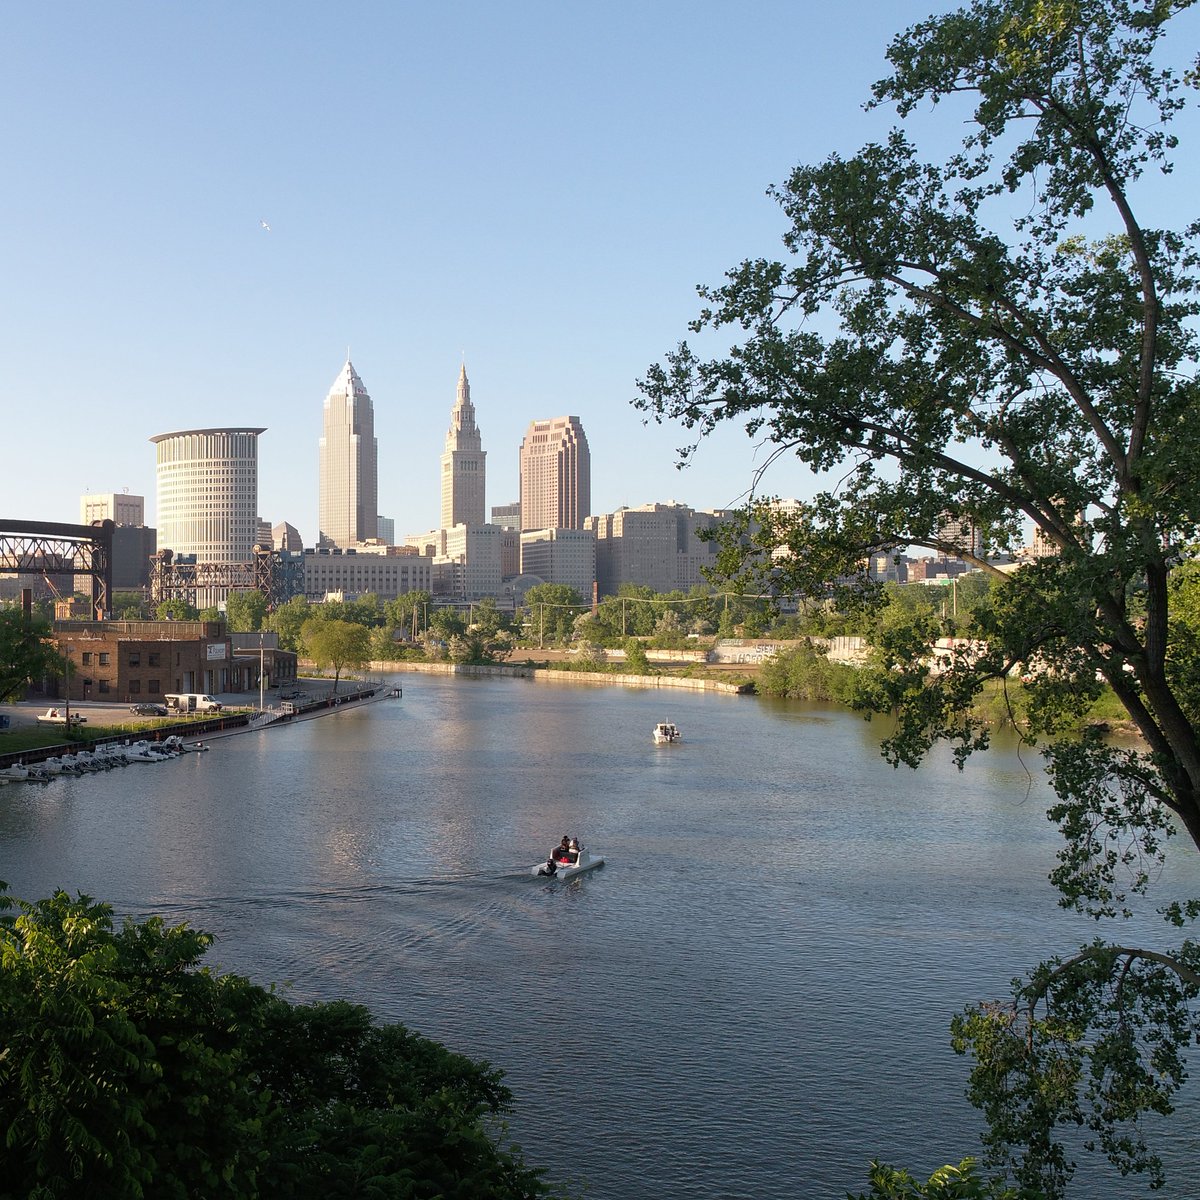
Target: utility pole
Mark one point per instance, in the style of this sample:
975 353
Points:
67 684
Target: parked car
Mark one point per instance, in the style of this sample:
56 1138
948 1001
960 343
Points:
149 710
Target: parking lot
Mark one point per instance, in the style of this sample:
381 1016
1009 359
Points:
103 712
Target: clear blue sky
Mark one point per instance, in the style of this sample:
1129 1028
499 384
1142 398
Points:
538 186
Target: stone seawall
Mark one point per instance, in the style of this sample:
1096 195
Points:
541 675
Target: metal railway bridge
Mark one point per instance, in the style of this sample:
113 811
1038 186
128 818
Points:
55 552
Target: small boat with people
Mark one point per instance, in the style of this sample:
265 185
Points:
567 860
665 732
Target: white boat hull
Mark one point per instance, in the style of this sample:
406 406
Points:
587 862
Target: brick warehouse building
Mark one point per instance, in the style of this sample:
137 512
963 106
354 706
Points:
131 661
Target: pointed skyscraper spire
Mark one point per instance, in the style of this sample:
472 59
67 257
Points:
349 462
463 463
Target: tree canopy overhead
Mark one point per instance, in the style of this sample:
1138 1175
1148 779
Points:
1007 337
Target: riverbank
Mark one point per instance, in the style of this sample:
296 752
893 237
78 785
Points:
28 742
586 678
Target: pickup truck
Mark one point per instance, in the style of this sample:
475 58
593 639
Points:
54 716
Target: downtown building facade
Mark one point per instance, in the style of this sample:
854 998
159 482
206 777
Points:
385 571
134 543
207 493
556 475
118 507
655 545
566 556
349 464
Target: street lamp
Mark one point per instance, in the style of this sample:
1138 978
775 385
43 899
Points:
67 683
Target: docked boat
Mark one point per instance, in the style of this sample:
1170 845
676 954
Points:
551 869
54 716
665 732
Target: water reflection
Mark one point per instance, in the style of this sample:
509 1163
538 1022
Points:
758 983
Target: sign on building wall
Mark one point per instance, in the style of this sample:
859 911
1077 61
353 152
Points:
216 651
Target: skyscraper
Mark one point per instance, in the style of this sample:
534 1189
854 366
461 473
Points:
207 485
349 497
463 464
556 475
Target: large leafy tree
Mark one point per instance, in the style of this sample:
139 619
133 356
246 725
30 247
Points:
1002 338
129 1070
336 646
288 619
246 611
26 652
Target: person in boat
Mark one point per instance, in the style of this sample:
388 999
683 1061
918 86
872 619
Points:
549 867
562 852
573 850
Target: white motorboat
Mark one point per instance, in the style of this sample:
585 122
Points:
550 869
665 732
18 772
59 766
144 752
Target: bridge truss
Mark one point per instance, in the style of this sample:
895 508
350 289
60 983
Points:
55 552
277 575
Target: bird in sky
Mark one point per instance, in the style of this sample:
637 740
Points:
265 226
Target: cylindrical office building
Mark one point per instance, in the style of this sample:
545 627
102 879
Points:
208 493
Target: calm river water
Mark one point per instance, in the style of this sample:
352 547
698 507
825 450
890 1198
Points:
751 998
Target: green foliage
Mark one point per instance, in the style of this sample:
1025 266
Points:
485 637
26 652
176 610
946 1183
409 612
1183 640
636 662
550 610
805 673
288 620
1012 341
245 611
129 606
336 645
130 1071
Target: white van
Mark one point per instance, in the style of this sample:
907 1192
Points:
191 702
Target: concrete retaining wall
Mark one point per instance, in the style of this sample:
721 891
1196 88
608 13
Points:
592 678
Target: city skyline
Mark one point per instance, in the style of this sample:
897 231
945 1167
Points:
540 190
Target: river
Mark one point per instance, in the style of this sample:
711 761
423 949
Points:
750 998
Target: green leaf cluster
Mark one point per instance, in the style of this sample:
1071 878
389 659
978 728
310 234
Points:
128 1071
27 652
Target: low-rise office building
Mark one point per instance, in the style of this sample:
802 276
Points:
132 661
385 571
566 556
655 545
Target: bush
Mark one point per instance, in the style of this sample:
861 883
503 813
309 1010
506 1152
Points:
805 673
127 1071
